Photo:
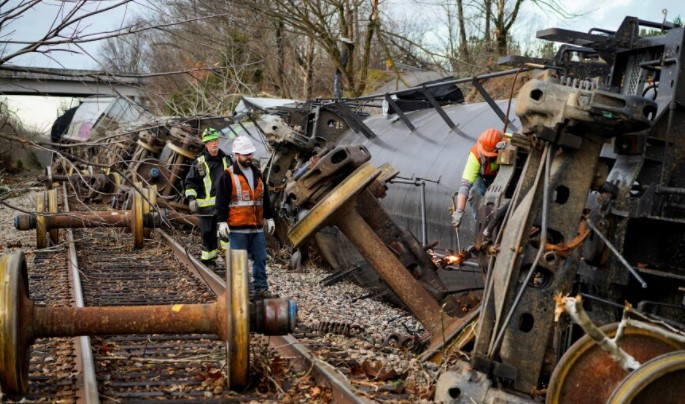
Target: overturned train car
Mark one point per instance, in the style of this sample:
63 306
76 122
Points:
591 204
427 146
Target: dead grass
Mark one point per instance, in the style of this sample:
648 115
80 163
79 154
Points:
499 88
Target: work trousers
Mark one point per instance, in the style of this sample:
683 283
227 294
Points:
208 226
477 192
255 245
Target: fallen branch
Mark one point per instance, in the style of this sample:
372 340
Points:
574 307
655 326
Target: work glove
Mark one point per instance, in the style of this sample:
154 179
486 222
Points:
270 226
192 205
224 230
456 217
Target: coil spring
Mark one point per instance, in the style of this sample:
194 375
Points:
412 343
334 327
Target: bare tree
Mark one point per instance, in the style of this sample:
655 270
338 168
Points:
304 55
332 24
463 42
124 54
505 15
487 6
68 27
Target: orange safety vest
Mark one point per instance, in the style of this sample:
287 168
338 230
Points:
486 169
246 203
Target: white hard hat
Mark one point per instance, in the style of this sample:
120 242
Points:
243 145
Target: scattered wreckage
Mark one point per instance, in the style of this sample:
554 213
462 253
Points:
588 202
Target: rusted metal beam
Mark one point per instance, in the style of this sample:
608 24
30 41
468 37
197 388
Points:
109 320
399 280
76 220
338 207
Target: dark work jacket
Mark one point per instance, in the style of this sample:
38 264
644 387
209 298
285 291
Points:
224 189
216 168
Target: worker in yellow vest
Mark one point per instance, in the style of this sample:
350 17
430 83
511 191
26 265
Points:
200 191
480 170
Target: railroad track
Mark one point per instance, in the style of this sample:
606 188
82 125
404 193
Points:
51 375
141 368
178 368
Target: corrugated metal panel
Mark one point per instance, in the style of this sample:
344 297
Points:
432 152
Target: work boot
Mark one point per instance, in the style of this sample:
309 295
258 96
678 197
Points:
209 264
264 294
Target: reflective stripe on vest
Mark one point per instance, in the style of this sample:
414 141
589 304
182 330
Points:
208 200
488 168
246 203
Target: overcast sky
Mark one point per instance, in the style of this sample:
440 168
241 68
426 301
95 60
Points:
605 13
33 24
597 13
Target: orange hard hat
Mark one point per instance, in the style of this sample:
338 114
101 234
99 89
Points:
487 142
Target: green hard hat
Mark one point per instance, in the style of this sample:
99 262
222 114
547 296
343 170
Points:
210 134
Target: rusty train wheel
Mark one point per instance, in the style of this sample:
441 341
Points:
41 230
49 178
137 218
152 171
587 374
659 380
239 321
339 196
14 352
179 150
52 208
149 203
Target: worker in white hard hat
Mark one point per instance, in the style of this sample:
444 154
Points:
243 210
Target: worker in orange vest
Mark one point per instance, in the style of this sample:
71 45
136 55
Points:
243 209
480 170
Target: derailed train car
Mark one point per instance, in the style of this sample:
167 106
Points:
589 204
428 151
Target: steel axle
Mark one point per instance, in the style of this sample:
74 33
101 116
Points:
136 219
230 317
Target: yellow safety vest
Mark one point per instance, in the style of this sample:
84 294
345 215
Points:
208 200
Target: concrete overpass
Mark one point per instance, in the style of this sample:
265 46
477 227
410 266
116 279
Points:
18 80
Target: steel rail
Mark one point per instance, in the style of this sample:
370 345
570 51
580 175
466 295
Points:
324 373
286 345
197 268
86 381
